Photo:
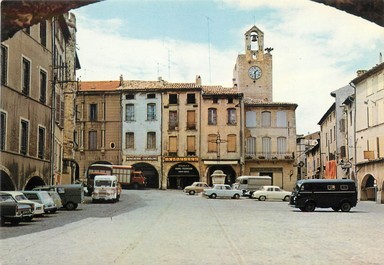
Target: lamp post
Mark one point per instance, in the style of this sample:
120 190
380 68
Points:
218 141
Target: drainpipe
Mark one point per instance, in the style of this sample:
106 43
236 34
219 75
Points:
354 139
53 102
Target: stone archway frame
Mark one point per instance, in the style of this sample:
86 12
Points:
367 192
35 174
180 171
8 173
225 169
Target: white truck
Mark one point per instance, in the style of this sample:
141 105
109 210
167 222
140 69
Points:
249 184
106 188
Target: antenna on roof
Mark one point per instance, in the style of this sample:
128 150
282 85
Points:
209 48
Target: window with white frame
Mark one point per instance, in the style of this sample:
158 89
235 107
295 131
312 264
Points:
129 112
151 111
212 116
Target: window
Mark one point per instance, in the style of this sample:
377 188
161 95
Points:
173 124
191 99
43 33
191 146
266 146
129 96
191 122
281 119
250 119
129 140
230 100
41 143
24 133
266 119
151 112
231 116
43 86
3 130
26 78
129 112
4 64
331 187
151 95
172 146
212 116
151 140
172 98
215 100
93 112
281 145
212 147
231 143
92 143
344 187
250 146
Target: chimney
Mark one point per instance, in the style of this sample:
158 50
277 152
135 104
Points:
198 80
121 80
361 72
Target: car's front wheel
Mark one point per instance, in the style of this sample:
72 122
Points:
191 192
213 196
262 198
310 206
286 198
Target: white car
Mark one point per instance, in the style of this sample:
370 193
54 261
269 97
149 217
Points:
222 190
37 208
271 193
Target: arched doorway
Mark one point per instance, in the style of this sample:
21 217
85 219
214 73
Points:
182 175
6 182
228 170
150 173
368 189
34 182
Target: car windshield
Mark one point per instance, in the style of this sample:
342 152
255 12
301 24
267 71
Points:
6 198
45 196
106 183
20 197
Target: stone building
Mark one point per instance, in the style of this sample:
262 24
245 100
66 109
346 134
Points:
368 116
98 124
328 144
307 160
32 104
269 127
141 103
222 139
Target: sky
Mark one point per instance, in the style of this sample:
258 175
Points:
317 49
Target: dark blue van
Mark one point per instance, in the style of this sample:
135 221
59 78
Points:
338 194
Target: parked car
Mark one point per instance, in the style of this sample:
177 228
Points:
12 211
222 190
43 198
37 208
54 195
271 193
196 187
71 194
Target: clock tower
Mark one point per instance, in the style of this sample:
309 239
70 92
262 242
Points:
252 73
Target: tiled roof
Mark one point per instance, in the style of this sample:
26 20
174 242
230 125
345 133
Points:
252 101
162 85
99 85
219 90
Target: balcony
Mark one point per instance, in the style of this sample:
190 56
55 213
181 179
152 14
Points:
269 156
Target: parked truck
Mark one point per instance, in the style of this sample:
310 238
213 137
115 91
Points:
249 184
106 188
127 176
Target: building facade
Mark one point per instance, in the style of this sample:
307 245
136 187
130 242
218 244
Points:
369 133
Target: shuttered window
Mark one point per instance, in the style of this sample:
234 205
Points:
250 119
281 145
212 116
151 140
172 144
266 146
266 119
231 143
191 146
191 122
212 147
129 140
251 146
92 141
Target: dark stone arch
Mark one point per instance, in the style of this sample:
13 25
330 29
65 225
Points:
34 182
6 182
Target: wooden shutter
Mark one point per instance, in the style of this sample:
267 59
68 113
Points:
191 123
231 146
191 144
172 144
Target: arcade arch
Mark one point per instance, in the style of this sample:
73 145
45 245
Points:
368 189
228 170
6 182
182 175
150 172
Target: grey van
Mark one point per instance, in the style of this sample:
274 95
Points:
338 194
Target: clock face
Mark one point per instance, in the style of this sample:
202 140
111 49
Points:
254 72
